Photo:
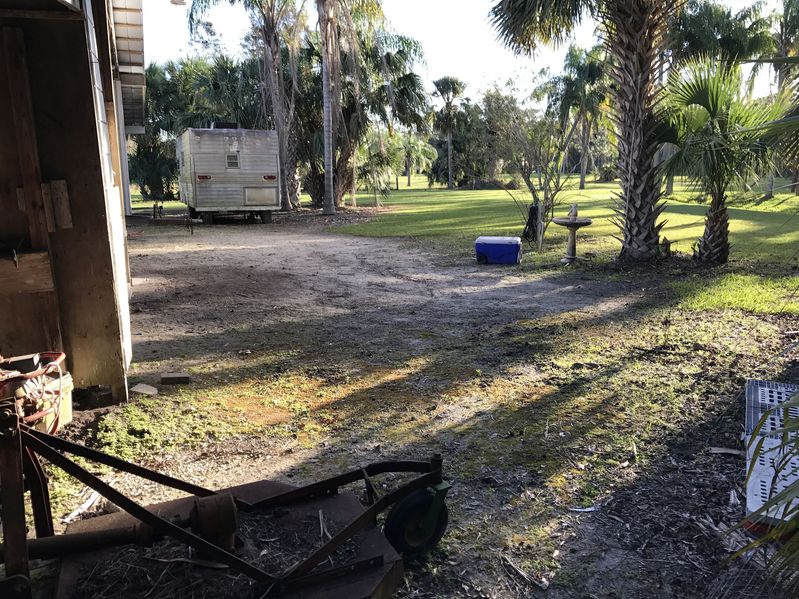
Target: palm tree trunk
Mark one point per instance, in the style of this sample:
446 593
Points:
449 159
584 152
354 185
769 187
278 113
635 31
328 206
714 246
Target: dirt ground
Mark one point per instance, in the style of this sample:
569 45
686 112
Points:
327 351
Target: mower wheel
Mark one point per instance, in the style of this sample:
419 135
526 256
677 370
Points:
411 529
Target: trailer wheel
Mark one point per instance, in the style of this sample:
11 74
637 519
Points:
410 527
266 216
207 218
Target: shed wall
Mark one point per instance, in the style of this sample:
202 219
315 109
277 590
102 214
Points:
69 129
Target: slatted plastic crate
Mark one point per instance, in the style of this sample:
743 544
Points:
765 481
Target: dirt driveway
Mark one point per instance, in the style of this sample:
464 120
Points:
327 351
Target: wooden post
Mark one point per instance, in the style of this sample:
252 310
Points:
12 500
28 152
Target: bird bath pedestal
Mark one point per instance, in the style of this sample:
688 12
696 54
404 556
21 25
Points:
572 223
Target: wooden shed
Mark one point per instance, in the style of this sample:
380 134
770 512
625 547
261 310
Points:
71 86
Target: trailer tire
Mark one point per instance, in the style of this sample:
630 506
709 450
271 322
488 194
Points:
404 527
266 216
207 218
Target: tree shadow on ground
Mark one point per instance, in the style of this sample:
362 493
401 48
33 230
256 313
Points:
602 399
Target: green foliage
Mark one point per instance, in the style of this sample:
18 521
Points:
449 89
706 28
156 425
524 24
381 86
715 128
786 40
377 160
717 139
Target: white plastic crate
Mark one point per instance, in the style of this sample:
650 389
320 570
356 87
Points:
763 483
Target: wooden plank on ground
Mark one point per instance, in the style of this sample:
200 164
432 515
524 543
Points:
27 272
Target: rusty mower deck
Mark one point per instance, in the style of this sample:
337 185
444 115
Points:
354 561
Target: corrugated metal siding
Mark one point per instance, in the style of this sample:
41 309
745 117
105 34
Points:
129 48
251 166
204 152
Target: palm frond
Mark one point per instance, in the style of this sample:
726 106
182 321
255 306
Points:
524 24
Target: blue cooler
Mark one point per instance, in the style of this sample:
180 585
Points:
498 250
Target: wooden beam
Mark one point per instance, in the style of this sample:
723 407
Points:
28 272
48 15
28 155
47 202
61 208
25 129
56 204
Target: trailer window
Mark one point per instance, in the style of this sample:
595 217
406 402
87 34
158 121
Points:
233 160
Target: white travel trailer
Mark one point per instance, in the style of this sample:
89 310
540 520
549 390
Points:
229 171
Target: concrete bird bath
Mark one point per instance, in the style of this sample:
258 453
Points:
572 223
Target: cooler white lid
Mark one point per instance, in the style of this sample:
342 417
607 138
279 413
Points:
506 240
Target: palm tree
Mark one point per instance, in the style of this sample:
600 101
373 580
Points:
377 85
707 28
418 155
786 40
280 24
786 43
719 141
328 34
448 89
584 90
635 33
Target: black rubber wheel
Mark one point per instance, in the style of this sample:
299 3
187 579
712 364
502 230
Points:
207 218
266 216
192 213
482 259
404 525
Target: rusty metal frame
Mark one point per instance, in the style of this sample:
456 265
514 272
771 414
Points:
21 450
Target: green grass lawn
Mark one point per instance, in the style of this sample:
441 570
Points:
761 276
140 205
760 230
